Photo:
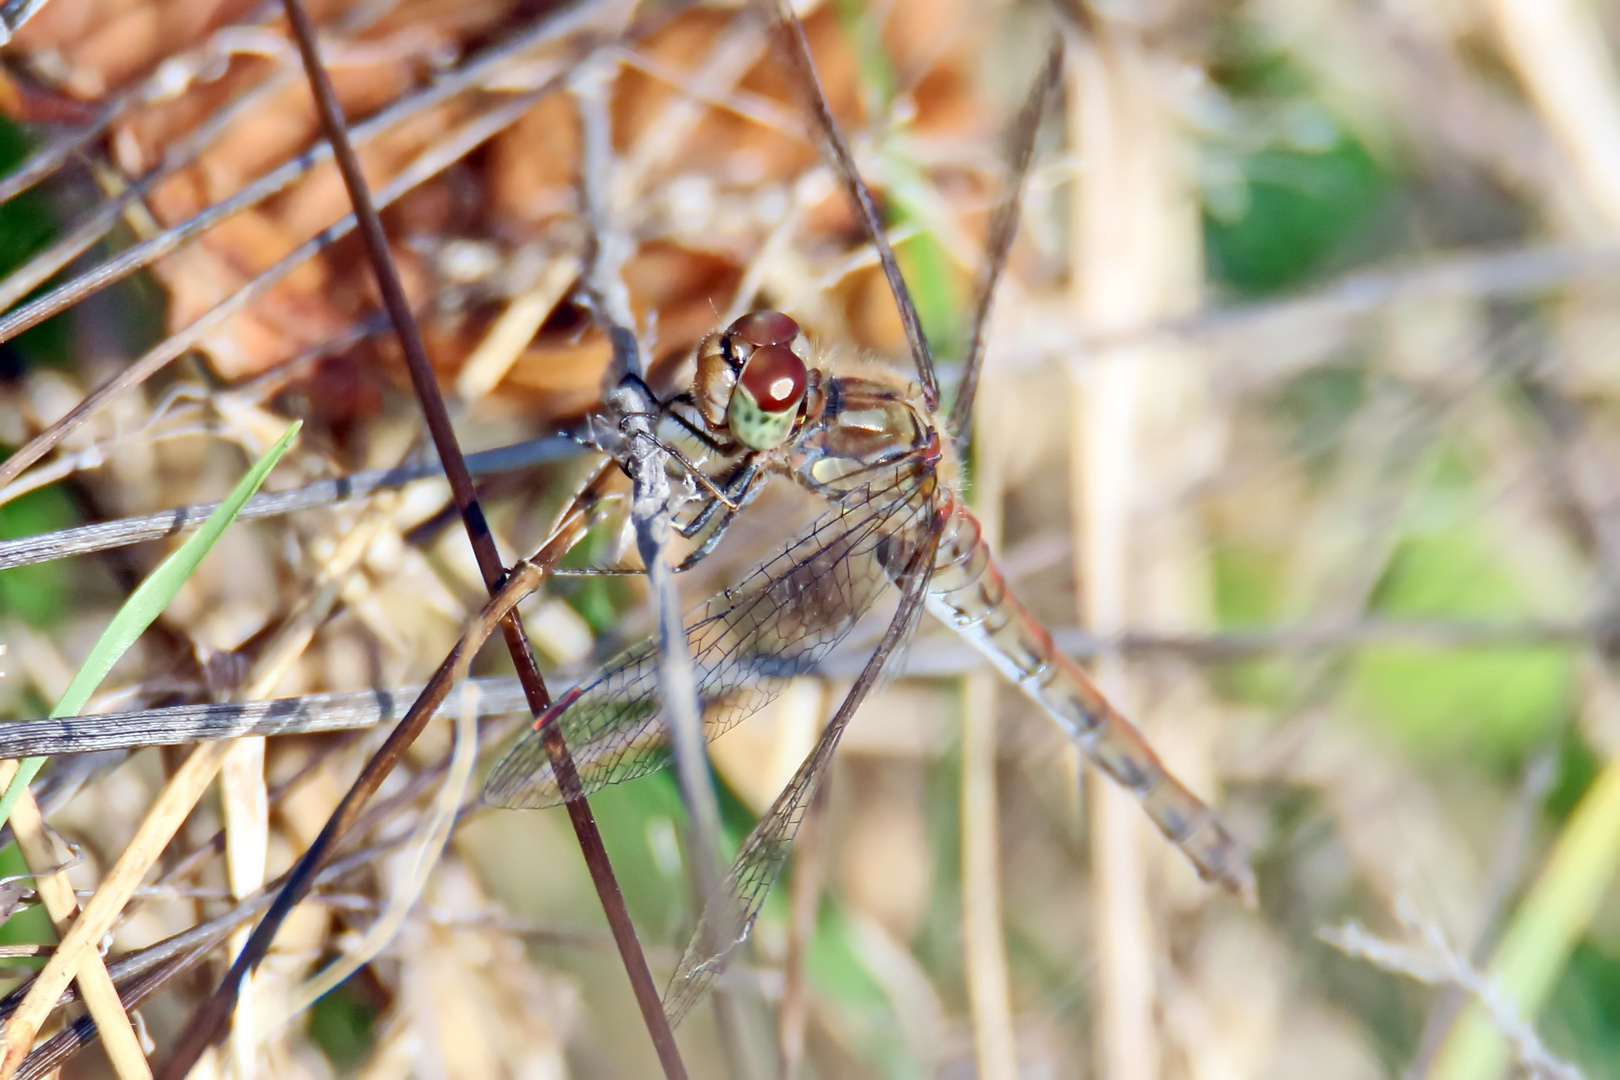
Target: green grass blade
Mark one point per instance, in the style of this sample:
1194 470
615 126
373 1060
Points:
145 604
1555 913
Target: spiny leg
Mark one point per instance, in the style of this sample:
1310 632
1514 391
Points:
740 488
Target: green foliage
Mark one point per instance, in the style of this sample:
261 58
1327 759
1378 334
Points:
340 1023
27 225
28 926
35 593
600 601
146 603
1578 766
1285 186
1579 1020
1492 703
840 969
641 823
1278 214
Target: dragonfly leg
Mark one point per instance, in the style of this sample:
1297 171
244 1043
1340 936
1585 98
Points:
753 486
698 431
719 444
702 478
740 487
736 485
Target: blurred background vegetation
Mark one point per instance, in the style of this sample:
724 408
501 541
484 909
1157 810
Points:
1299 418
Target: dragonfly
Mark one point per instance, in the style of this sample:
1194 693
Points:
871 443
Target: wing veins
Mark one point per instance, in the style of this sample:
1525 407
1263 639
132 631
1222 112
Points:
621 735
728 919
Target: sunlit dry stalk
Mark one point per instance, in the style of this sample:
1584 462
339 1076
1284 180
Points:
1101 488
984 951
143 972
245 798
1558 50
172 806
517 325
39 849
1134 250
245 808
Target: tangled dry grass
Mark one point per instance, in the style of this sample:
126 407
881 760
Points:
1296 421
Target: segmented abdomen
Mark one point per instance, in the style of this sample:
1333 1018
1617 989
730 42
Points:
969 593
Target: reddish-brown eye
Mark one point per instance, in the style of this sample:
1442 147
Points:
765 328
775 378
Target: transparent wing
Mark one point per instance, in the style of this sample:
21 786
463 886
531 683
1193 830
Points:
729 917
780 621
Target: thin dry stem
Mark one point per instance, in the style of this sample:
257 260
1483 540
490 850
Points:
984 950
1113 271
1434 962
39 850
426 846
79 947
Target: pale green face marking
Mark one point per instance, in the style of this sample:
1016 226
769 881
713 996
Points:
753 426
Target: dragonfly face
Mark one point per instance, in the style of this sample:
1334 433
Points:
752 379
759 383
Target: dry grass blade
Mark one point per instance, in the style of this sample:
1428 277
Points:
95 984
177 725
1311 305
214 1016
104 536
185 787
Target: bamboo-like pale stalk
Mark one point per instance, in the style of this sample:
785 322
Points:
245 797
1134 256
245 808
1557 49
995 1046
1106 262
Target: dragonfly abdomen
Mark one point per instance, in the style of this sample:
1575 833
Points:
968 593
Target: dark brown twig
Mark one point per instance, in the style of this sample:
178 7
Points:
210 1021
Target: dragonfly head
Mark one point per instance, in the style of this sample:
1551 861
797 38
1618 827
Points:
752 378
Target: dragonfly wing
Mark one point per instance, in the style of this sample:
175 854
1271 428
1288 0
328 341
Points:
729 917
779 622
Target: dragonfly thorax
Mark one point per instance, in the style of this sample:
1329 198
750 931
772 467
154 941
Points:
865 423
752 378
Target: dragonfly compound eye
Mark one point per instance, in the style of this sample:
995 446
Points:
766 401
765 328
